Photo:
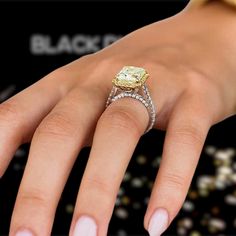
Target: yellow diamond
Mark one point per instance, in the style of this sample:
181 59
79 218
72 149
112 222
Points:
130 77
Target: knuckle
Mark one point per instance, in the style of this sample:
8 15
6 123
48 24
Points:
99 187
34 198
198 81
86 57
58 125
174 181
189 135
121 119
9 112
107 62
13 122
202 90
64 78
12 119
59 74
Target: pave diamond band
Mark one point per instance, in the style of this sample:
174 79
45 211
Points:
130 83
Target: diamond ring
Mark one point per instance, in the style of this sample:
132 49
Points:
130 82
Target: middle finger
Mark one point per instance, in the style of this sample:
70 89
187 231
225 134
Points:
55 146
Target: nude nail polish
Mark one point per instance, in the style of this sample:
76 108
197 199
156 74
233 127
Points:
85 226
158 222
24 233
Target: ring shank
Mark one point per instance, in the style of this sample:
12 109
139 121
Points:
144 98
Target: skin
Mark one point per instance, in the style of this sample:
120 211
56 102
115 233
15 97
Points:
191 61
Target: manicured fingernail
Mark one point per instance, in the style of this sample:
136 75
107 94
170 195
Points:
85 226
24 233
158 223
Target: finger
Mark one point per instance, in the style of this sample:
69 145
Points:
55 146
21 114
117 133
186 133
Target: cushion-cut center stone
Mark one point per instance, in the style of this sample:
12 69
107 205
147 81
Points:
130 77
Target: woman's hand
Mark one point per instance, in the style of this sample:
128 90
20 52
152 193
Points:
191 60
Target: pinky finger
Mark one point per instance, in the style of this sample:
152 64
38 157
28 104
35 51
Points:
186 133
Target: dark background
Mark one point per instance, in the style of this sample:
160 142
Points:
211 202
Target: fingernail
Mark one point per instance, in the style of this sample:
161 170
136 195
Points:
24 233
85 226
158 223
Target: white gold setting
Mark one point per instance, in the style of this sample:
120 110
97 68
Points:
130 83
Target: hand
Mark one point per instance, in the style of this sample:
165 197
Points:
191 61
